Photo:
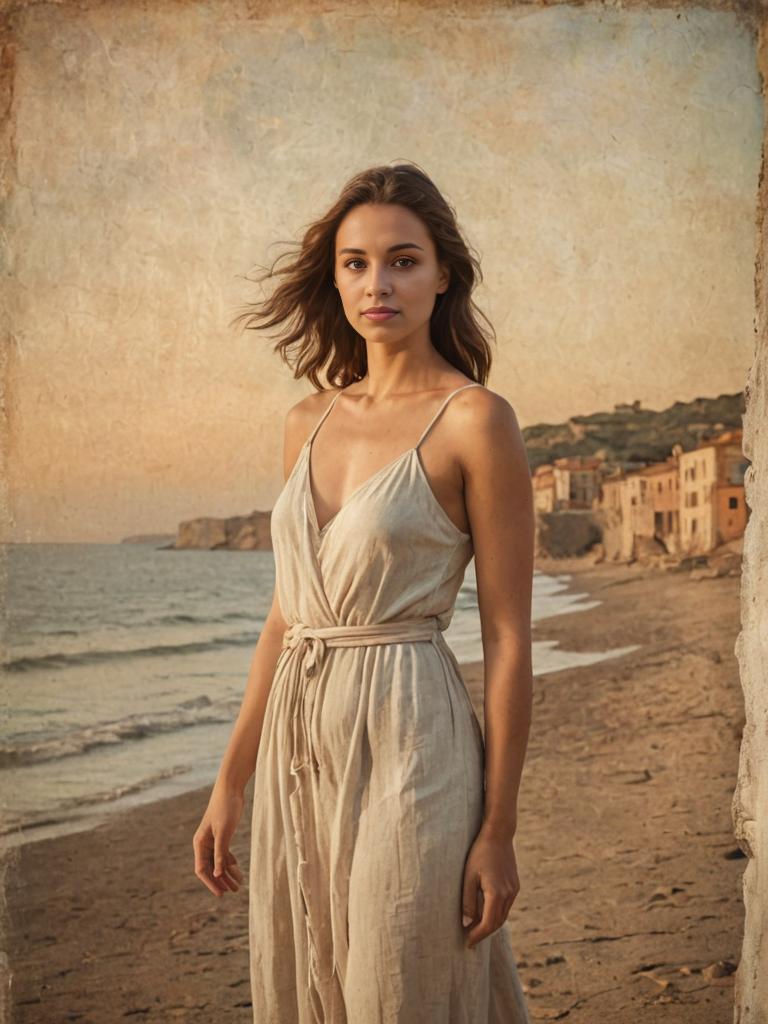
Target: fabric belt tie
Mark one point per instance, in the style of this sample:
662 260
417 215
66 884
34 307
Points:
311 643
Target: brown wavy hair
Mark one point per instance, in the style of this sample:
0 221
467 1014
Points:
310 306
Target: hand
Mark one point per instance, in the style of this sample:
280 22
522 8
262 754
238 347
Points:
491 884
215 864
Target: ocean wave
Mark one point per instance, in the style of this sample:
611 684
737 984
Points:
196 711
61 659
187 619
105 796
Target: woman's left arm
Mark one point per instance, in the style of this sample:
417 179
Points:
499 500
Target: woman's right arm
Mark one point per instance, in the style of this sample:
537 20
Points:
239 759
215 864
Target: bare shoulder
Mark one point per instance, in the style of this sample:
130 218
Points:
488 433
302 415
483 415
300 419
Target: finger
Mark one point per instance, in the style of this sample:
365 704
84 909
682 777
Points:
470 901
477 917
203 848
203 865
230 879
234 869
236 880
491 919
228 884
205 873
210 882
218 857
231 876
472 913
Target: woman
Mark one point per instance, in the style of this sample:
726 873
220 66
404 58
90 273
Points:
382 865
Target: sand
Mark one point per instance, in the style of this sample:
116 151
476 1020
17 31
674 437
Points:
630 906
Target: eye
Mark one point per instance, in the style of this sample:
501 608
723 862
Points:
358 260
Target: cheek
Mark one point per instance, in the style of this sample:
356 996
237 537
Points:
420 288
423 276
346 296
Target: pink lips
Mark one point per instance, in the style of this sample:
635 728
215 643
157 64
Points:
379 316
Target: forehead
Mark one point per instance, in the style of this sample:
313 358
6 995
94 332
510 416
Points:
375 227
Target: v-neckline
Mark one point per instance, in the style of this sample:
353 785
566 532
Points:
307 481
308 486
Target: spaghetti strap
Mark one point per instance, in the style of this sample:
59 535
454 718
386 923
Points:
325 413
445 402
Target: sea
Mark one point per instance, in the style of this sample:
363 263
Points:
124 666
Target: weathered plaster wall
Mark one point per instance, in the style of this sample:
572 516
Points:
750 802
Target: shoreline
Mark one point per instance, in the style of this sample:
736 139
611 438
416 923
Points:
549 655
629 870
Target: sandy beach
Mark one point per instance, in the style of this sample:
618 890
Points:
630 908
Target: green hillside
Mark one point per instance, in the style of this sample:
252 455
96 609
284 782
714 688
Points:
631 435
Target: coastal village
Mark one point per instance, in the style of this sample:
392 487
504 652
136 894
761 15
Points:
689 504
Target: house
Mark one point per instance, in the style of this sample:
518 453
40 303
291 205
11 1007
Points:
576 482
660 498
544 488
712 505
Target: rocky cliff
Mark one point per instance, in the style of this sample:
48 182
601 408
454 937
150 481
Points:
242 533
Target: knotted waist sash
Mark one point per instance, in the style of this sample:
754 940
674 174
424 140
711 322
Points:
311 643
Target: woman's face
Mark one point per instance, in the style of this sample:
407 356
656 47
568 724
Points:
386 257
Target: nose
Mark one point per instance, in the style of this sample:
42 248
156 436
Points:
378 282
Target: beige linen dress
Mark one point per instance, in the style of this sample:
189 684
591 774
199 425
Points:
368 788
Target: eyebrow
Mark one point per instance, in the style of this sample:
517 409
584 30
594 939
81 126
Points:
392 248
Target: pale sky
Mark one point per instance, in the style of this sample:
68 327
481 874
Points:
604 164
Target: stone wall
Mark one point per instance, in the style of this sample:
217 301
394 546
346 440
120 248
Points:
750 800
